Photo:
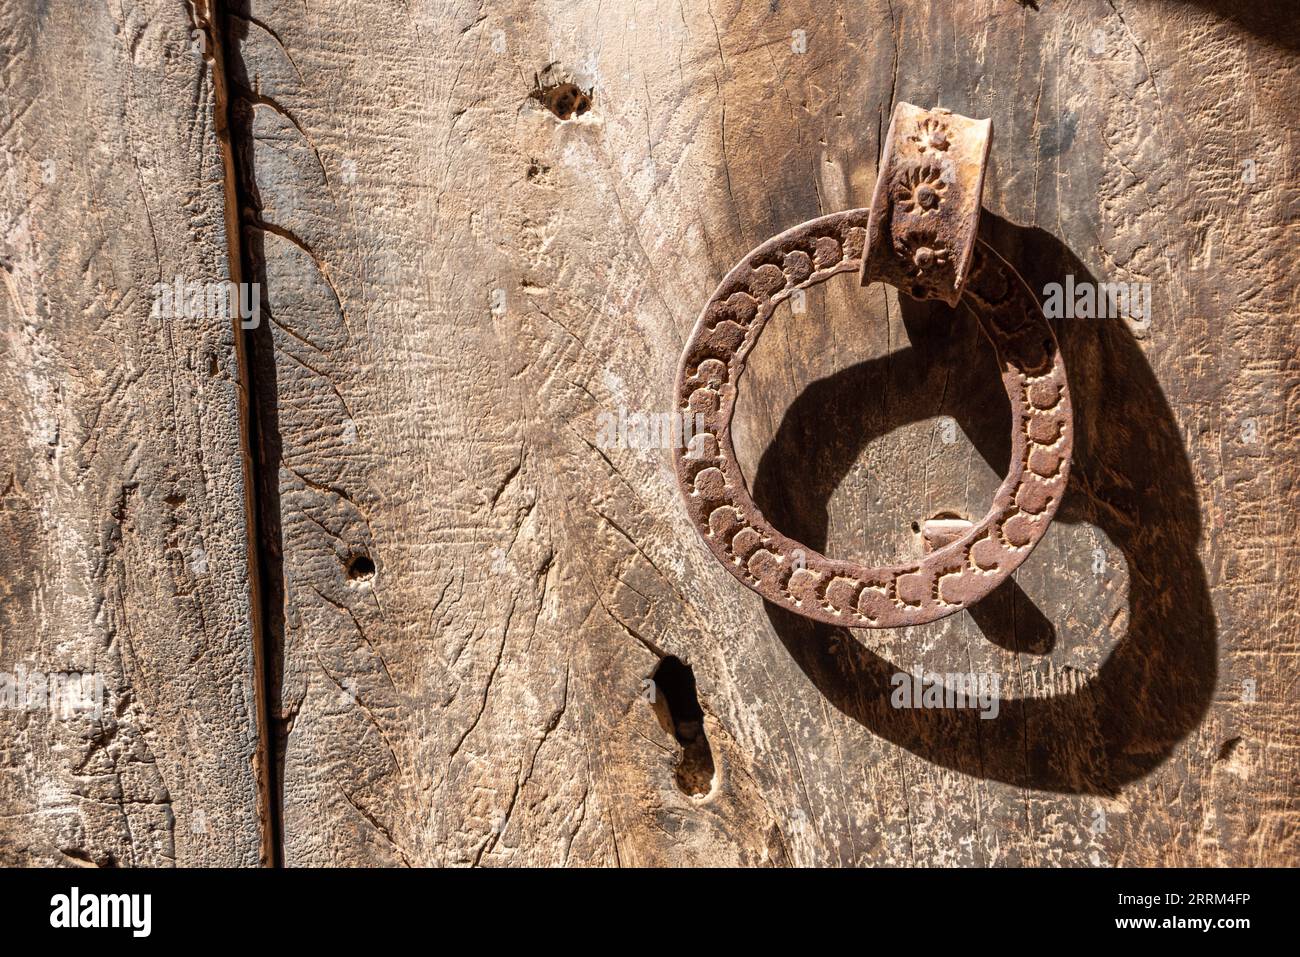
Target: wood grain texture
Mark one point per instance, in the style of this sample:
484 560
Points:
477 698
482 234
471 590
122 503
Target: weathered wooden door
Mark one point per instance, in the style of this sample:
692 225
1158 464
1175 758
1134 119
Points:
400 575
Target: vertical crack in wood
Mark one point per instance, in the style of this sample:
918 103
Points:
264 567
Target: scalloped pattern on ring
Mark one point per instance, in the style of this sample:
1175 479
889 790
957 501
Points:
845 593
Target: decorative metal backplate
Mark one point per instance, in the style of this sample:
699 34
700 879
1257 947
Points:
969 565
926 207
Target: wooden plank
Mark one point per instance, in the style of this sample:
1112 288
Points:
121 472
466 289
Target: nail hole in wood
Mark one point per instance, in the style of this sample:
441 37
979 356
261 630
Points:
1226 749
565 100
361 568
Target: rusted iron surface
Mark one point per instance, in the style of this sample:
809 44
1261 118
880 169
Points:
926 205
966 562
938 532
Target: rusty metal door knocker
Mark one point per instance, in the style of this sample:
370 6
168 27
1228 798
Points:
920 236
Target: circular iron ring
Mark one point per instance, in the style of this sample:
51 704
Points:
845 593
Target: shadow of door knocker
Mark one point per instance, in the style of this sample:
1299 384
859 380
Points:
920 236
